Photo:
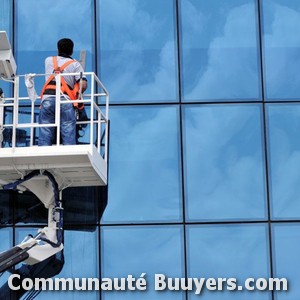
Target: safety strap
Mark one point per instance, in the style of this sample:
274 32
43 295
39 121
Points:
72 93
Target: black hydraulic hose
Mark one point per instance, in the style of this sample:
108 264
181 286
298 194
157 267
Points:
59 232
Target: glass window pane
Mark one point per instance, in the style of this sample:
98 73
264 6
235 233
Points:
286 249
219 50
80 261
6 25
281 49
35 43
224 162
284 146
6 243
144 168
6 17
135 250
6 238
228 251
138 54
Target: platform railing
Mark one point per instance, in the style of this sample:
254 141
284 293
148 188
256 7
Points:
95 99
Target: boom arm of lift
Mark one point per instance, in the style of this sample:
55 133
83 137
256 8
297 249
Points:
49 240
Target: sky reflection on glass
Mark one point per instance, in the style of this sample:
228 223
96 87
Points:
286 249
37 32
228 251
284 159
219 50
137 44
6 243
135 250
224 165
281 43
144 170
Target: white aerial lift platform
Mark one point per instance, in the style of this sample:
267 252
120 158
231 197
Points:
75 165
47 170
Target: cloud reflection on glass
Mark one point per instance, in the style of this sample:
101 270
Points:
37 33
286 249
224 164
135 250
219 50
228 251
137 44
284 159
281 49
144 168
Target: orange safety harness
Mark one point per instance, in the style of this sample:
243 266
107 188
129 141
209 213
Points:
51 84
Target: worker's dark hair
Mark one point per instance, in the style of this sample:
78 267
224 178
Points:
65 46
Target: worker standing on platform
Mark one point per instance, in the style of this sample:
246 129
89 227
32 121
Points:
59 64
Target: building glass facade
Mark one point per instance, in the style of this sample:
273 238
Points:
204 147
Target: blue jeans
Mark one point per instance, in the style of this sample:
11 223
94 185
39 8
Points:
47 135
